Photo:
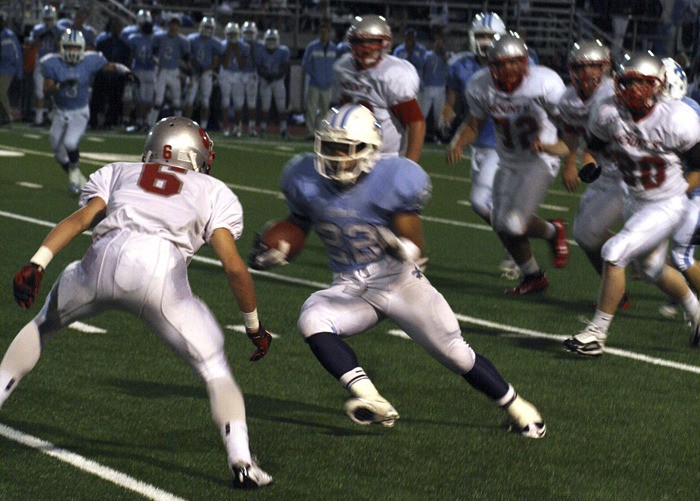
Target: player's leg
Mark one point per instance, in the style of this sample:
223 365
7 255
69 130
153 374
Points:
279 93
74 133
205 89
311 110
420 310
226 88
252 98
238 97
161 82
325 317
265 104
39 100
191 95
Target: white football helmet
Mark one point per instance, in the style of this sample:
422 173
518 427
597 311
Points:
370 39
232 32
207 27
589 63
180 142
676 81
72 46
508 61
271 39
49 15
250 31
144 21
347 143
482 30
639 82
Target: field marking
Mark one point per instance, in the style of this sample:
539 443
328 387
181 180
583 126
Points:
27 184
87 328
559 208
87 465
464 318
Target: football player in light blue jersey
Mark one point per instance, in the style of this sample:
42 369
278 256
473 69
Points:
78 23
171 50
144 67
68 77
205 50
235 54
366 210
412 51
44 37
250 35
272 64
433 80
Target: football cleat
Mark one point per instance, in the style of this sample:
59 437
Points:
530 284
560 248
365 412
249 476
590 341
526 420
510 270
669 310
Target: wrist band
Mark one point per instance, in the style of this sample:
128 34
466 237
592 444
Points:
42 257
251 320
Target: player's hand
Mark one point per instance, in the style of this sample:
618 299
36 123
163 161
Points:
454 153
133 79
589 172
261 339
69 82
263 257
26 284
401 248
569 177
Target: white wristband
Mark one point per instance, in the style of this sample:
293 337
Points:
251 320
42 257
121 69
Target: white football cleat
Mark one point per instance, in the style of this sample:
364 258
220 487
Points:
526 419
510 270
364 411
249 476
590 341
669 310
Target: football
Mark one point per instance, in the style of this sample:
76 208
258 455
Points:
276 232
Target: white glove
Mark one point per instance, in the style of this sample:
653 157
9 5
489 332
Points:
402 248
264 258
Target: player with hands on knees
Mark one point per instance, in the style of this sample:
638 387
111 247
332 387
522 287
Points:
148 219
365 208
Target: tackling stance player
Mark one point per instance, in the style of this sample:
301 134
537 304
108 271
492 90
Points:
149 219
366 209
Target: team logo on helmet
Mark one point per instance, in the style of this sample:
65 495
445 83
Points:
180 142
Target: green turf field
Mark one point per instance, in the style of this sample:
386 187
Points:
113 414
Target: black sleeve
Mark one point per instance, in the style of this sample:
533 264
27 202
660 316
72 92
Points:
594 143
691 158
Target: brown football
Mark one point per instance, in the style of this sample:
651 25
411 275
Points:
275 232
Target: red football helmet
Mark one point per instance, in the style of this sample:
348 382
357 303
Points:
508 61
589 62
369 37
639 82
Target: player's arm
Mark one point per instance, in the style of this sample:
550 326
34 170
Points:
558 149
466 134
51 86
691 158
264 256
447 114
405 240
215 61
28 279
241 284
411 117
595 147
569 174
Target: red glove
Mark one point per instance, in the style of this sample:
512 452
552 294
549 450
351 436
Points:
261 339
26 284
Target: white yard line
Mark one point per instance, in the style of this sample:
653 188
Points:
82 463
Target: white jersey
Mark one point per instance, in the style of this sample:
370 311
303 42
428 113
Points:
387 84
175 204
520 116
575 112
646 151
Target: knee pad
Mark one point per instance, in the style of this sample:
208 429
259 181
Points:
213 368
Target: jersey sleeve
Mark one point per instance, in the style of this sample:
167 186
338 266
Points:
553 91
411 187
295 176
475 103
227 212
685 128
48 67
598 120
98 185
402 84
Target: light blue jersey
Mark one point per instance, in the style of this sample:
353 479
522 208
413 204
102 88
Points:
47 37
244 50
318 63
255 51
75 96
10 54
346 218
142 49
203 49
272 63
416 57
170 50
434 70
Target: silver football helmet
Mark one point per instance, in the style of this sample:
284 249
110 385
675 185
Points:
370 39
250 31
49 15
676 80
347 143
180 142
144 21
72 46
589 63
508 61
232 32
639 82
271 39
482 30
207 27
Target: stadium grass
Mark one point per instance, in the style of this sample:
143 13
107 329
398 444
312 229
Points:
618 428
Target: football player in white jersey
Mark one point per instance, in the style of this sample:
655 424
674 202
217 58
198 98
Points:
522 101
600 209
365 207
149 219
385 84
647 137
